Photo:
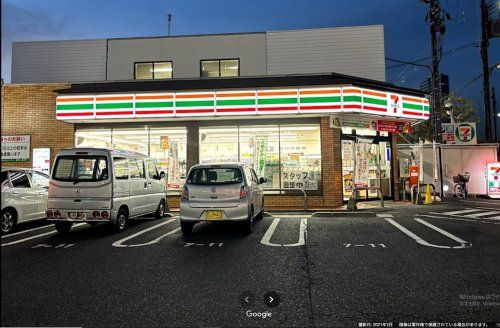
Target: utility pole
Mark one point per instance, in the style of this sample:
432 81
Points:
494 103
436 26
169 23
486 71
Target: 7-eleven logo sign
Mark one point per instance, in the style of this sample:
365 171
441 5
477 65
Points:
395 104
465 132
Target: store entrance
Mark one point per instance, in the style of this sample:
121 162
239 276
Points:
366 162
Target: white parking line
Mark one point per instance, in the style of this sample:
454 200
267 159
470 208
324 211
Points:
463 243
447 234
266 239
461 212
484 214
384 215
120 242
25 231
37 236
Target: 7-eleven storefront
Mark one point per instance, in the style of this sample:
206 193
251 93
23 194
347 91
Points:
316 133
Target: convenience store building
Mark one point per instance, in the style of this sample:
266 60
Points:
323 133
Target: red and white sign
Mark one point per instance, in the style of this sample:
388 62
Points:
394 126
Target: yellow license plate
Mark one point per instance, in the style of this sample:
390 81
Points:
213 215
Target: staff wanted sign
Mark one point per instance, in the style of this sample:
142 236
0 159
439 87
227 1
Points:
16 148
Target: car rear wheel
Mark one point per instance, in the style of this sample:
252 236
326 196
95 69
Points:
260 215
187 227
8 220
121 220
63 227
160 211
248 224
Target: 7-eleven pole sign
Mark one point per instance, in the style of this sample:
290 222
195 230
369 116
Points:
465 133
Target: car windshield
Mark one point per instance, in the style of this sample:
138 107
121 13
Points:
81 168
215 176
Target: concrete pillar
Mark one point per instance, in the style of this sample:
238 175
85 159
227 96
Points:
193 144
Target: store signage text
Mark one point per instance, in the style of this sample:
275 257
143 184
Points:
16 148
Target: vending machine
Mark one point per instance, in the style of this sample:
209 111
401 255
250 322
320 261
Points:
493 180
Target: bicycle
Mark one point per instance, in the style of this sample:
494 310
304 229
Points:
461 181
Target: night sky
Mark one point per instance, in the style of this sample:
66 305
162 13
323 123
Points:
406 32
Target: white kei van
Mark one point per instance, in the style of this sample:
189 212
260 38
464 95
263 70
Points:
95 185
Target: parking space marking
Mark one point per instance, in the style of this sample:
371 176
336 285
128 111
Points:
463 243
120 242
384 215
460 212
29 230
266 239
37 236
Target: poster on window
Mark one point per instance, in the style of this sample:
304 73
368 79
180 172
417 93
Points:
361 167
41 159
306 179
260 156
16 148
174 178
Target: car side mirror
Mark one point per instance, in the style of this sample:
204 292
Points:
262 180
162 174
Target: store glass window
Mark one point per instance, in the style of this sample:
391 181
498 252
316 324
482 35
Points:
162 70
289 156
219 144
259 147
143 71
229 67
153 70
220 68
209 68
300 156
93 138
168 147
131 139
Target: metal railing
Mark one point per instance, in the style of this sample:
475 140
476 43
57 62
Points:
290 189
412 191
354 193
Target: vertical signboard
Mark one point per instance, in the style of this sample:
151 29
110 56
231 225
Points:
41 160
493 179
16 148
174 179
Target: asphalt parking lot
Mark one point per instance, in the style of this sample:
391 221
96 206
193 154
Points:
436 263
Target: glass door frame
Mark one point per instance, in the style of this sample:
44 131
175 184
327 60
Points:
375 140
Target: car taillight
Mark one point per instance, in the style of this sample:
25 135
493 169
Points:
50 214
185 192
105 214
96 214
243 192
57 214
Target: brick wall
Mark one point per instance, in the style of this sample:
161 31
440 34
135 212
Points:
30 109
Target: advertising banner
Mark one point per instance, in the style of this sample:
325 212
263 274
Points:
41 160
16 148
361 168
356 123
260 163
174 178
394 126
